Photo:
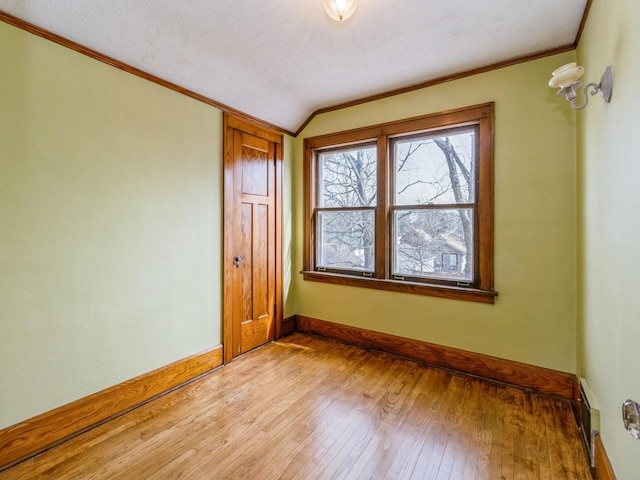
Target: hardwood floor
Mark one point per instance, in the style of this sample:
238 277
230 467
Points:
308 408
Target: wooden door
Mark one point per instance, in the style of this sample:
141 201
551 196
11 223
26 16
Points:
251 226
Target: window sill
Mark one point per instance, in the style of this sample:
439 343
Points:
442 291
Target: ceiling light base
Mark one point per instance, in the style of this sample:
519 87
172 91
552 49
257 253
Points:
340 10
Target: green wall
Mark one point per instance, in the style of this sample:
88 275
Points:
609 225
288 285
534 317
110 237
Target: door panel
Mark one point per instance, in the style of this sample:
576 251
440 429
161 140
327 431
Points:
255 172
262 286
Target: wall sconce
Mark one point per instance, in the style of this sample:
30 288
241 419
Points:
566 79
631 418
340 10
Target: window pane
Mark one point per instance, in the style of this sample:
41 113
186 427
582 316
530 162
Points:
435 169
347 178
434 244
345 240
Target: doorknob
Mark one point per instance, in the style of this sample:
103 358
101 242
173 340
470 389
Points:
237 261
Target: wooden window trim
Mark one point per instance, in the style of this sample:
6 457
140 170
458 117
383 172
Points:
480 115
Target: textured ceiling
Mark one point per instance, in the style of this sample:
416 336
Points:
281 60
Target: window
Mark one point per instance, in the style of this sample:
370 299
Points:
345 216
405 206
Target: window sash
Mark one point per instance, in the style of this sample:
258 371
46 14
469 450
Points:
421 252
432 161
341 250
324 174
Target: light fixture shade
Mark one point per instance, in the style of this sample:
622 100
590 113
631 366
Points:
340 10
565 75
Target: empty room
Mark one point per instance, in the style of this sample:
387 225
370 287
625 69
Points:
329 239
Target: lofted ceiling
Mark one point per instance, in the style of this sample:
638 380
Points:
282 60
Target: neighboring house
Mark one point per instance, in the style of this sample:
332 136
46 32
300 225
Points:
420 253
336 253
454 255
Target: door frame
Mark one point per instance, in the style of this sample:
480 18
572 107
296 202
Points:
230 124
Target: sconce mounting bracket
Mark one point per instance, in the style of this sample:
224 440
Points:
606 84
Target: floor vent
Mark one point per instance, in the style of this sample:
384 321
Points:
589 418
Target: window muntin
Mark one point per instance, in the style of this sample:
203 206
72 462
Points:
454 270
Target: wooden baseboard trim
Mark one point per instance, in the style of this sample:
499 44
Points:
288 326
539 379
604 470
576 401
28 438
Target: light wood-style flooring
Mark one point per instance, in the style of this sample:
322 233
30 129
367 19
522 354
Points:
307 408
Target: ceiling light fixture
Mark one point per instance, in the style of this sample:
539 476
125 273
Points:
340 10
566 79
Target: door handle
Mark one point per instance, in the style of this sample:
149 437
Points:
238 260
